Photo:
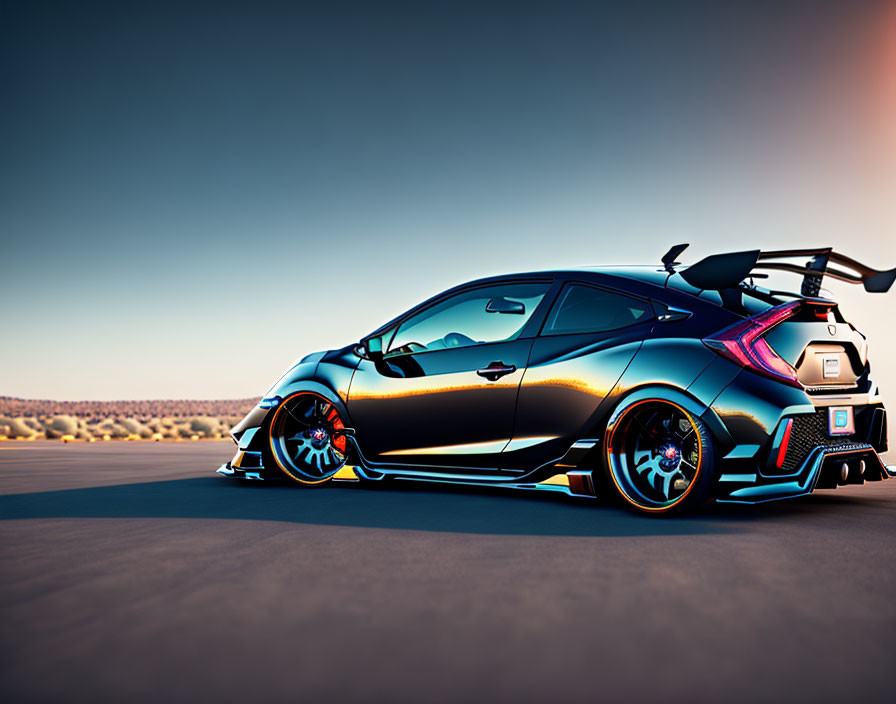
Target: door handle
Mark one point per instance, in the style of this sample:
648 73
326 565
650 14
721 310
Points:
496 370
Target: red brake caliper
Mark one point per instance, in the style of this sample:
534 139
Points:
337 424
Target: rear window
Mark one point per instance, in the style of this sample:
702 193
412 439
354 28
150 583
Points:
582 308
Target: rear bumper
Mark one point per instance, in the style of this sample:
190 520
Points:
826 467
777 442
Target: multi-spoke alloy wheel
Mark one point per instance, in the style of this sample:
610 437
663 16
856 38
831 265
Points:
659 455
308 438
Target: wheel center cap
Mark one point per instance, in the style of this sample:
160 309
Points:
319 437
670 456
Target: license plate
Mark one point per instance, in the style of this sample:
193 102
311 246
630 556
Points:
831 367
841 420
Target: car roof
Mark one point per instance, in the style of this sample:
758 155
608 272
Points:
645 274
646 280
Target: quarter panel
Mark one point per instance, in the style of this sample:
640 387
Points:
751 406
679 365
666 361
713 379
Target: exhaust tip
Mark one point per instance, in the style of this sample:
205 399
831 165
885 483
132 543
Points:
862 467
844 472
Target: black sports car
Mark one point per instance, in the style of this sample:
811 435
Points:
666 385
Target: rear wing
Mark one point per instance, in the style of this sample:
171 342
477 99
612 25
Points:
721 271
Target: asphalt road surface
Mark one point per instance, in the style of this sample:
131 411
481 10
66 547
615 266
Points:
131 572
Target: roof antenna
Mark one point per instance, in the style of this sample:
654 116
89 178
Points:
669 257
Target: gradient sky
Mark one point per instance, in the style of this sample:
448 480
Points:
192 195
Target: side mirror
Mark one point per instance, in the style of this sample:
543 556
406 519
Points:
502 305
373 348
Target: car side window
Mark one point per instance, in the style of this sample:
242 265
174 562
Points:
473 317
581 308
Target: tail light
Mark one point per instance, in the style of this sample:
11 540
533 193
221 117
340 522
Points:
743 344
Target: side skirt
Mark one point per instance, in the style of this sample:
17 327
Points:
562 475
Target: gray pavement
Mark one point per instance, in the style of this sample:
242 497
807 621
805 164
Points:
131 572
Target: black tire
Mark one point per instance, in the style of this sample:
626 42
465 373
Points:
307 438
659 457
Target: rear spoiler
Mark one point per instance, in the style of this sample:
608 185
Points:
721 271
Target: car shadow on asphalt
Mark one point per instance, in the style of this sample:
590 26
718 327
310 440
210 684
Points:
397 505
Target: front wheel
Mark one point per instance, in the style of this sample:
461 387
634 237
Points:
308 438
659 456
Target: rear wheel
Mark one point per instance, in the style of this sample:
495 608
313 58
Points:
308 438
659 457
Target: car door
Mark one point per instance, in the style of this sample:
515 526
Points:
589 337
444 395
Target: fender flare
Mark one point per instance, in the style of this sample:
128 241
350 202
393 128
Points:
317 387
663 392
313 386
255 437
